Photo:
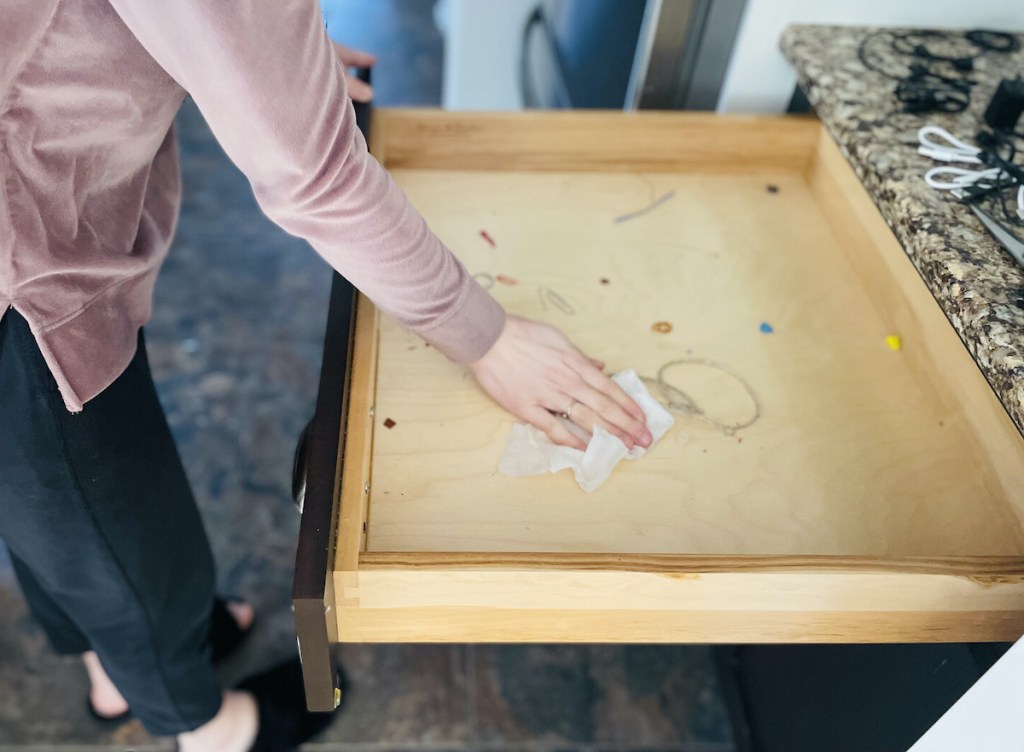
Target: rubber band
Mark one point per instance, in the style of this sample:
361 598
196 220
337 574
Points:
677 401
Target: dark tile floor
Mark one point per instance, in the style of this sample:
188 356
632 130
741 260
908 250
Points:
235 345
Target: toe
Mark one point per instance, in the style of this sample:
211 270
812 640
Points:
243 613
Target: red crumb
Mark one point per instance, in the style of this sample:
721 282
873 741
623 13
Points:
389 423
488 238
507 280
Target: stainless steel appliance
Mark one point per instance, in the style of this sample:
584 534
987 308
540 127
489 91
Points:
649 54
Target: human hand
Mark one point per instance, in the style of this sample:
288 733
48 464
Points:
532 371
360 91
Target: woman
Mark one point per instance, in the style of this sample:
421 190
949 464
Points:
94 505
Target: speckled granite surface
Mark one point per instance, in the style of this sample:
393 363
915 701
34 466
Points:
978 284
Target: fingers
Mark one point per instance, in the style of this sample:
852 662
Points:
532 364
555 431
354 58
594 378
587 418
607 399
360 91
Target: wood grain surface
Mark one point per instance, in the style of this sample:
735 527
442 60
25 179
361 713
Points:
704 627
356 467
591 141
853 454
876 499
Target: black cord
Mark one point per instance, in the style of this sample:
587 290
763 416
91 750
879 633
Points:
924 90
933 81
999 151
994 160
993 41
913 44
1011 216
999 143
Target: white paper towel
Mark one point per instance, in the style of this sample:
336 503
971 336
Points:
530 452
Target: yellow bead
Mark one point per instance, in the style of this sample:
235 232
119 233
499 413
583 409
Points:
894 342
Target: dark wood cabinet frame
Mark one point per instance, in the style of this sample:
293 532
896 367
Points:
317 469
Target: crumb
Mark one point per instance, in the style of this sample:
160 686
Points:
388 423
507 280
772 188
605 281
488 238
661 327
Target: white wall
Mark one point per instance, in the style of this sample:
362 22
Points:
483 39
989 718
759 78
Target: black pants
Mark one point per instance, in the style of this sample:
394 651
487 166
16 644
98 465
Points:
104 533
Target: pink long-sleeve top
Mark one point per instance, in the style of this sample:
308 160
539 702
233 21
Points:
90 188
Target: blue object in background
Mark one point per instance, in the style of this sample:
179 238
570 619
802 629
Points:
595 42
403 36
326 6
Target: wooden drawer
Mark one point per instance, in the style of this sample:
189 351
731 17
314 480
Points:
878 498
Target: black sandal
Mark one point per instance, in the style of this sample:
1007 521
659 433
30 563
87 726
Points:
110 721
226 637
284 721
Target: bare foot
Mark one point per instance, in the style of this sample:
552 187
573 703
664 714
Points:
105 699
108 702
233 729
244 613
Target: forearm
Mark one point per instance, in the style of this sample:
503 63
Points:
267 81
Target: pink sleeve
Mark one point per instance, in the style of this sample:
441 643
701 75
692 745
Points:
264 75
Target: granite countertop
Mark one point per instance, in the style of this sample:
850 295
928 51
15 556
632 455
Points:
976 282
